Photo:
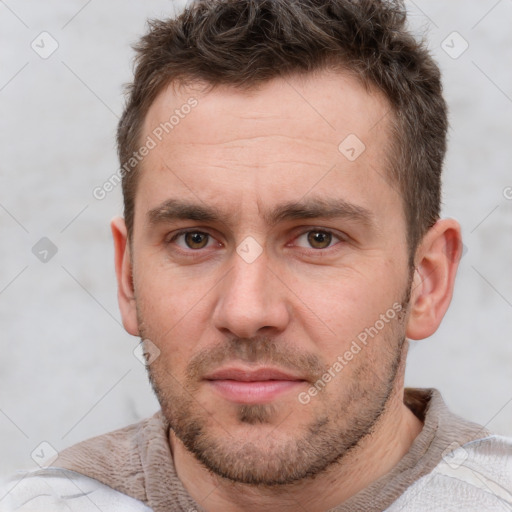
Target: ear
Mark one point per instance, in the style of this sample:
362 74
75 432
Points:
123 264
436 262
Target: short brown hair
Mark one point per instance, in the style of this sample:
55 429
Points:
244 43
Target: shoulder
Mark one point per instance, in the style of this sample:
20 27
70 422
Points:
117 458
56 489
102 473
473 477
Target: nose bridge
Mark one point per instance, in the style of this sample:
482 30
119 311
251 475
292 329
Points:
249 298
248 281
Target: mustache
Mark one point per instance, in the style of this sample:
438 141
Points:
256 351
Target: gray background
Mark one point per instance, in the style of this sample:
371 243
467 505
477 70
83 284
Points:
67 367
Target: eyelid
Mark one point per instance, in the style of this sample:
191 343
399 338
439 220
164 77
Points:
342 237
171 238
336 234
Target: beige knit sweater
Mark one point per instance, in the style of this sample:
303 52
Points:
137 461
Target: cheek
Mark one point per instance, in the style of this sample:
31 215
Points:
169 293
342 299
174 314
347 307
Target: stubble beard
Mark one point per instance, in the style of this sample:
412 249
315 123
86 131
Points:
273 459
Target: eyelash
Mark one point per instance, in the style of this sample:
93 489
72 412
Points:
335 235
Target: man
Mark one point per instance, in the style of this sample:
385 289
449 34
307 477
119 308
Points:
281 241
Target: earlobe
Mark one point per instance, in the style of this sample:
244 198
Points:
123 265
436 263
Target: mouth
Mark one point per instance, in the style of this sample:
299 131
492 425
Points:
248 386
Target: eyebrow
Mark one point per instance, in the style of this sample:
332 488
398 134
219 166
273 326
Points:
178 209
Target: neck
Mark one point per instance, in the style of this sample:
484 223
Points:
372 458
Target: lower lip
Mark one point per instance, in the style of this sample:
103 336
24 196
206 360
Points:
254 392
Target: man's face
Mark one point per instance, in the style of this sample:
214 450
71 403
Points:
270 270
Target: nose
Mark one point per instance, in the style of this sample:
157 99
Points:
251 300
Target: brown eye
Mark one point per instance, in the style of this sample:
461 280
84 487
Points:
196 239
319 239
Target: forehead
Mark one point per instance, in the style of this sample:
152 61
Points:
328 103
323 133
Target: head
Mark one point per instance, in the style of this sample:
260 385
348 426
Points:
283 218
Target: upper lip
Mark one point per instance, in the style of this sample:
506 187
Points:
247 375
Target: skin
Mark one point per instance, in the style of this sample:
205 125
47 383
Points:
297 307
